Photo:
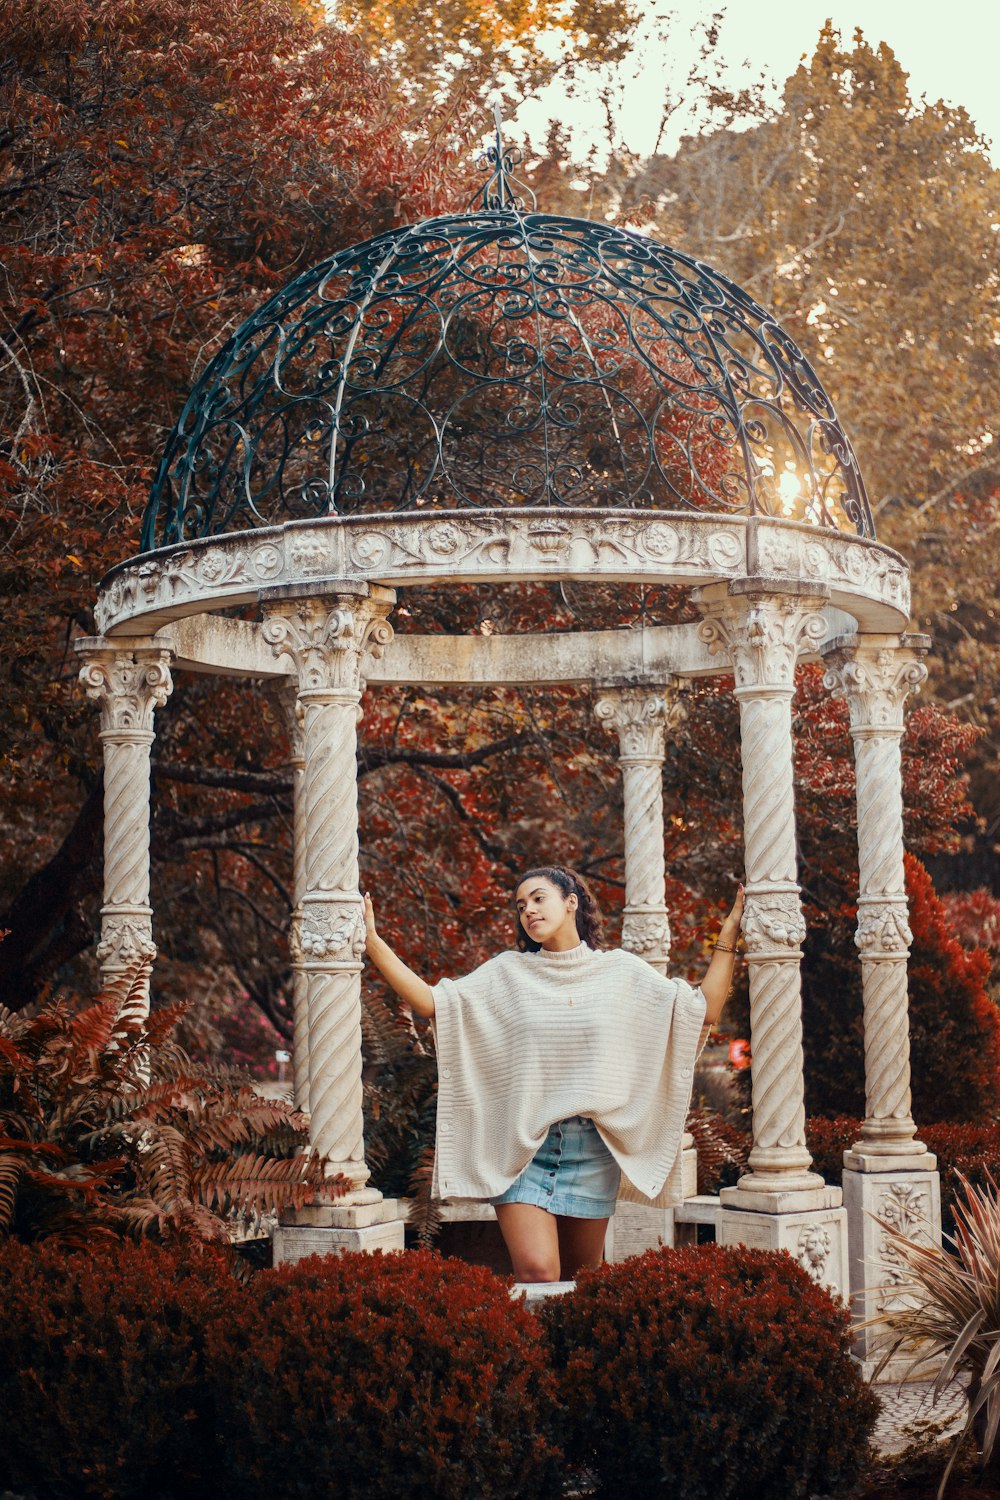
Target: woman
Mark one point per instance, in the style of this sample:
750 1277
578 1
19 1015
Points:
561 1066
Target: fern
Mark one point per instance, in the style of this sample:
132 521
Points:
722 1149
107 1127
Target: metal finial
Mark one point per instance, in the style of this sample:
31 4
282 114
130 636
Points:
500 161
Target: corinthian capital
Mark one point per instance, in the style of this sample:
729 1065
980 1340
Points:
762 634
326 640
640 718
875 675
128 681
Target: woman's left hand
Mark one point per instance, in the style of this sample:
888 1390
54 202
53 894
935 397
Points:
731 926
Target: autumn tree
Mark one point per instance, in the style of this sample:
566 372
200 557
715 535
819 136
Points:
164 166
867 221
446 51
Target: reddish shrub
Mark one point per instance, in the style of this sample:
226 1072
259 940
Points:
403 1374
828 1140
709 1374
102 1389
954 1026
970 1150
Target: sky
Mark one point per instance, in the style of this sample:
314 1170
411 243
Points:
951 51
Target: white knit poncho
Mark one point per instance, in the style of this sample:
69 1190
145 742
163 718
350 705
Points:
531 1038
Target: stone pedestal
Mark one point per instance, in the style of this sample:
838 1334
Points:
911 1203
324 1229
816 1238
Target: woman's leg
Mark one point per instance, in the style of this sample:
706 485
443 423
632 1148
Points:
532 1239
581 1243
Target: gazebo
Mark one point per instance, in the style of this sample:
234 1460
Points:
503 395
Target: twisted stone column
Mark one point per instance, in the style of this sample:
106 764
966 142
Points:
762 630
128 680
288 698
875 674
640 718
326 639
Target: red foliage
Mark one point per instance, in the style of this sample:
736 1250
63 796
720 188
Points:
102 1386
954 1026
974 917
709 1373
828 1137
411 1374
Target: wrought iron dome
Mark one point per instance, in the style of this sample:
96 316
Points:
505 357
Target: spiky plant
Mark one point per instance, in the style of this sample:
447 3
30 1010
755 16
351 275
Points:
952 1311
106 1127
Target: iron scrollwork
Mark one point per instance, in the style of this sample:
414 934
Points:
505 357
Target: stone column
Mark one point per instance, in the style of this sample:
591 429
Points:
889 1174
128 679
288 698
762 626
326 639
641 717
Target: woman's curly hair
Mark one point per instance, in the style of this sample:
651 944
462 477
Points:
589 922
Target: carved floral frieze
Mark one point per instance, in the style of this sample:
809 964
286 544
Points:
773 922
125 940
883 928
454 544
328 930
846 564
906 1208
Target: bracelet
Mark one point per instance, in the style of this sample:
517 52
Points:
724 948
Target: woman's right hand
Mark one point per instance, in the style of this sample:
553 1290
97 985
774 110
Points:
411 989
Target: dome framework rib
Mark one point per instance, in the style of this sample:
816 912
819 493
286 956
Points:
505 358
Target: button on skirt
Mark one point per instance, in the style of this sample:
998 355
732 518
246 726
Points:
572 1173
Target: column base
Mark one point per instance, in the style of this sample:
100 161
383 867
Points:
816 1238
749 1198
335 1231
860 1159
911 1203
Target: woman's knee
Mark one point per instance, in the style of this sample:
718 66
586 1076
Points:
536 1268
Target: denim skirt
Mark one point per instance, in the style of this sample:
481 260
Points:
572 1173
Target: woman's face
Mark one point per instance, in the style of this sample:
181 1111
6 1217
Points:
546 915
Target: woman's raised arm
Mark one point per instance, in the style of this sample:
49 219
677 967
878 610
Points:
719 974
411 989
